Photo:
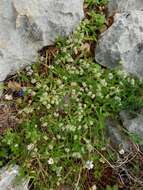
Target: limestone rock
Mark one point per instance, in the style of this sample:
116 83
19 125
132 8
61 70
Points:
122 44
116 135
28 26
8 177
134 124
119 6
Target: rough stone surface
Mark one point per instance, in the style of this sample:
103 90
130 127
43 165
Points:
123 43
8 177
116 136
28 25
120 6
133 124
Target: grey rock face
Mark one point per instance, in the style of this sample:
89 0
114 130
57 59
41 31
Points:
133 124
27 26
123 43
8 177
116 136
120 6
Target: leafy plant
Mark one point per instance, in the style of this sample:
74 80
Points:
63 111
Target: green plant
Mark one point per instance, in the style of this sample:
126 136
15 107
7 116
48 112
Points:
62 114
92 3
112 188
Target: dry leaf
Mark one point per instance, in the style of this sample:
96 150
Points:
14 85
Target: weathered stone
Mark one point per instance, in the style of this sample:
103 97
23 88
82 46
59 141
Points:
8 179
122 44
133 123
27 26
120 6
116 135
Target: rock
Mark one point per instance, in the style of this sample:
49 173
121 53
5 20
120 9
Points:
122 44
28 26
133 123
8 177
116 136
120 6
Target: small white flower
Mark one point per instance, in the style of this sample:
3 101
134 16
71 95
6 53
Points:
45 124
58 136
133 82
93 96
33 93
90 147
50 161
83 84
67 150
99 94
76 155
33 81
38 85
75 137
28 68
61 86
73 84
122 74
94 187
29 73
56 114
8 97
110 76
42 58
50 146
98 75
102 160
58 171
122 151
81 89
103 82
51 67
64 77
73 92
45 137
59 82
48 106
30 146
35 149
52 101
121 83
91 122
47 88
89 93
117 98
89 164
107 96
70 59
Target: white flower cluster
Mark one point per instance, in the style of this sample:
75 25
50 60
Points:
89 164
